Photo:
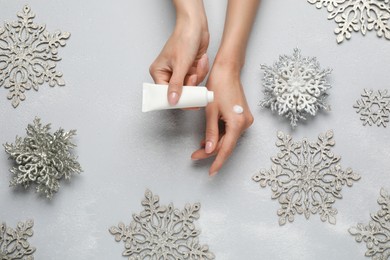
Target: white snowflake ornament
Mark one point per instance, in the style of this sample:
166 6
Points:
13 242
306 178
357 15
374 107
295 87
376 233
43 158
162 233
28 56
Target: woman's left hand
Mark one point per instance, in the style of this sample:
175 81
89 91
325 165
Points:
221 139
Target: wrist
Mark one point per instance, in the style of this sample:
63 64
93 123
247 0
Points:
229 62
191 13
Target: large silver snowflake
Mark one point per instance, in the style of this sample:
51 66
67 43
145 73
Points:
13 242
28 56
162 233
306 178
43 158
295 87
374 107
355 15
377 233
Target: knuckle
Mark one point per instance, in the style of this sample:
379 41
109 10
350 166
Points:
210 133
240 122
224 154
250 119
152 69
174 85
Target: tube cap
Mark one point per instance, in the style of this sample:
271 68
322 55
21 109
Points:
210 96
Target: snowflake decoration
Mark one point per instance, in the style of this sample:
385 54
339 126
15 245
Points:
374 107
306 178
355 15
377 233
43 158
14 244
162 233
295 87
28 56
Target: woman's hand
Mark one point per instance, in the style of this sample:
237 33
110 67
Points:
183 60
221 137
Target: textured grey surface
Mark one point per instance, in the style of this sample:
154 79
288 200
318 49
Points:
124 151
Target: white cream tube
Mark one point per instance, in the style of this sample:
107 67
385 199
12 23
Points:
154 97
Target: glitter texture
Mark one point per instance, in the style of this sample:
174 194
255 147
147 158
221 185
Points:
357 15
43 158
295 87
306 178
162 232
376 234
13 242
374 107
28 56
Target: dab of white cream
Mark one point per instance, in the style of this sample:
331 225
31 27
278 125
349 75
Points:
238 109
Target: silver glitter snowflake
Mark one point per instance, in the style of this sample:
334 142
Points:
162 233
357 15
28 56
377 233
13 242
43 158
295 87
306 178
374 107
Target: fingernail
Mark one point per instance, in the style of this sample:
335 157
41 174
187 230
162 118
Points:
173 98
208 147
213 174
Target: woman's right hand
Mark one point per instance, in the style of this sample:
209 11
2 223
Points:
183 59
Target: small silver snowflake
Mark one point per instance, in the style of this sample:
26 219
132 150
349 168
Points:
28 56
295 87
374 107
357 15
13 242
377 233
162 233
43 158
306 178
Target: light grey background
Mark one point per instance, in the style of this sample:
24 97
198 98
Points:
124 151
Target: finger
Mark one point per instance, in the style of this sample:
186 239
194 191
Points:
191 80
175 85
202 68
159 77
200 154
212 132
227 147
191 109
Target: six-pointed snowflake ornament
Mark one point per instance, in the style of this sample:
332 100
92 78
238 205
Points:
162 233
376 233
374 107
43 158
295 87
28 56
306 178
13 242
357 15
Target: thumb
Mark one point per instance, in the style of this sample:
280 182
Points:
175 85
212 132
